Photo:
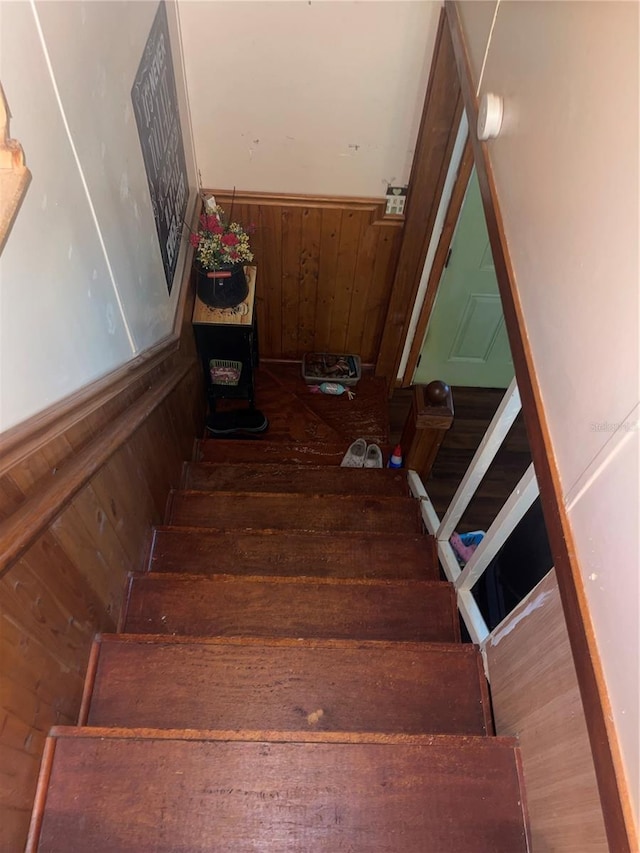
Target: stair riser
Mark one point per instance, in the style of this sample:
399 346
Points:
371 610
250 451
216 686
294 554
295 512
168 795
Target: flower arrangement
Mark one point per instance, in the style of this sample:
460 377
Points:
218 245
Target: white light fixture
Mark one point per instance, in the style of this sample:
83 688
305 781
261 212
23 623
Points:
489 116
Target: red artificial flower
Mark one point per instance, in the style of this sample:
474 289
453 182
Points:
233 255
213 225
194 239
230 239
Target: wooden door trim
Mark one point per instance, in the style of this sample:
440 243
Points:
440 260
613 791
436 140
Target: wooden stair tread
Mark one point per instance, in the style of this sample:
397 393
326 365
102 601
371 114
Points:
340 608
288 685
225 510
222 793
293 677
278 452
258 552
274 477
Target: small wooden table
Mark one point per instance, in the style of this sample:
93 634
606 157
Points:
225 339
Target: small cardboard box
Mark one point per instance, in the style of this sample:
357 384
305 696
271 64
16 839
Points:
318 367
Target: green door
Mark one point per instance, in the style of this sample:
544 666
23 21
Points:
466 341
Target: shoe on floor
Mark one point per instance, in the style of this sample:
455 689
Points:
248 421
373 457
354 457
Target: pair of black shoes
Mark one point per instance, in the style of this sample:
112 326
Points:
237 422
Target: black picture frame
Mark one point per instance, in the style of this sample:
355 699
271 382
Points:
155 105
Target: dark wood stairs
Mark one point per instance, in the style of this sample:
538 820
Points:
289 676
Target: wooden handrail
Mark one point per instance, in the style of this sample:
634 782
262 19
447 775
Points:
23 527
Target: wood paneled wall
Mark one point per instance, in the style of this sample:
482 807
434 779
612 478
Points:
325 270
69 584
535 694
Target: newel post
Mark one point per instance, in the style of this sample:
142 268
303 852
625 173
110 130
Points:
430 416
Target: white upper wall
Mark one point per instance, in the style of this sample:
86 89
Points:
307 97
78 296
333 93
566 171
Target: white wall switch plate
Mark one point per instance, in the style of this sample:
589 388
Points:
396 198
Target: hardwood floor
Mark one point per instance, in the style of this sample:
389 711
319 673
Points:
297 414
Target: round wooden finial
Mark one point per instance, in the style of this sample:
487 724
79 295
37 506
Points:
437 392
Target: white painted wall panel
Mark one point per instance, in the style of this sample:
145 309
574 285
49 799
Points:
60 326
318 98
65 298
477 18
566 171
108 45
605 519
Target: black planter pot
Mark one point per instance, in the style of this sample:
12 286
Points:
225 287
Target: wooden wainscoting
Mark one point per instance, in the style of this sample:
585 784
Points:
535 697
325 270
69 581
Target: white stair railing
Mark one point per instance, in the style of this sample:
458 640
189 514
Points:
491 443
517 504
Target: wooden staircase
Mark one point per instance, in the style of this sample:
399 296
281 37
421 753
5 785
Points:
289 677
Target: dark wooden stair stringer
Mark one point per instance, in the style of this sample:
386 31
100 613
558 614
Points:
289 677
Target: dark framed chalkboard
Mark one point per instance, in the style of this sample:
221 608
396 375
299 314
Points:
155 105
